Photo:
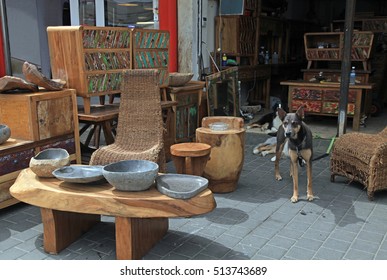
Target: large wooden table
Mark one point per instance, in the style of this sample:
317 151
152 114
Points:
68 210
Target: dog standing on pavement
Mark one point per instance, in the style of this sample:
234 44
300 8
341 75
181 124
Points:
300 141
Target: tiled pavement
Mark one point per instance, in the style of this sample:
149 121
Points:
257 221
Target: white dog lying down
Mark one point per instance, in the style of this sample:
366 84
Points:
268 147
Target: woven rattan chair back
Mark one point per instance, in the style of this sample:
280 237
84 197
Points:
140 128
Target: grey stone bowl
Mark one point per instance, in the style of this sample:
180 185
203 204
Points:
131 175
45 162
5 133
182 186
78 173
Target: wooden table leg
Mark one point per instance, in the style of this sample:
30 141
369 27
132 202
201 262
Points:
135 236
63 228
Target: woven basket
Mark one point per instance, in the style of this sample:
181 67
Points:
179 79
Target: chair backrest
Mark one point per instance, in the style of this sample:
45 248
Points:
140 123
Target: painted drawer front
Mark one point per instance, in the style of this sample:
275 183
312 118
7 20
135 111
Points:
105 38
309 106
15 161
334 95
107 60
158 59
305 93
333 108
103 82
68 144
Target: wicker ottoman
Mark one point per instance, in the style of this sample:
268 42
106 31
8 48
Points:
361 157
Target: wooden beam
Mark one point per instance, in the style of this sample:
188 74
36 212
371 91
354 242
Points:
346 66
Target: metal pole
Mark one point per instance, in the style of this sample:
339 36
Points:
4 27
346 66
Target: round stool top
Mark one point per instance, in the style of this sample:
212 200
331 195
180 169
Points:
190 149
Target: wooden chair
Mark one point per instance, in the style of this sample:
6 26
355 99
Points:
361 157
140 126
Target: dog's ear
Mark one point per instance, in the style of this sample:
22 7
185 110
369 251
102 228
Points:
300 112
281 113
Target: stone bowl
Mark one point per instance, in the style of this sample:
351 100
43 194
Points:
181 186
177 79
131 175
5 133
45 162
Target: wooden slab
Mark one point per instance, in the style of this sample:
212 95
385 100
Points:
103 199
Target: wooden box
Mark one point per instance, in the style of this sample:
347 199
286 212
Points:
41 115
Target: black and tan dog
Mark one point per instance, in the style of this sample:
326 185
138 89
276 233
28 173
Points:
300 142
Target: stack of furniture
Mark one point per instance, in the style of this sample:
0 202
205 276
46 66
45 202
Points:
41 120
91 60
322 97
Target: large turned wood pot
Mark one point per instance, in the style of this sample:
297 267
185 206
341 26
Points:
227 151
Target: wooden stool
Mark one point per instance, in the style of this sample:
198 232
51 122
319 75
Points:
190 158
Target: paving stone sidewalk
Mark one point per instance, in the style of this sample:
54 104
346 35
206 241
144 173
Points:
257 221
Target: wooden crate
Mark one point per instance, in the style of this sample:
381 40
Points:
38 116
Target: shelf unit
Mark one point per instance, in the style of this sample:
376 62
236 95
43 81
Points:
90 59
328 46
237 36
374 24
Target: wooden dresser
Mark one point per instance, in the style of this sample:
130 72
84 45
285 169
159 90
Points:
37 121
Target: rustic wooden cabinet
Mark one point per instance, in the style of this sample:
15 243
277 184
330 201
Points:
188 98
90 59
37 121
328 46
323 98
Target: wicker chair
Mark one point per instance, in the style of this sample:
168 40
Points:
140 126
362 157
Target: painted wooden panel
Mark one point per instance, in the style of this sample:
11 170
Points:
306 93
15 161
309 106
333 108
